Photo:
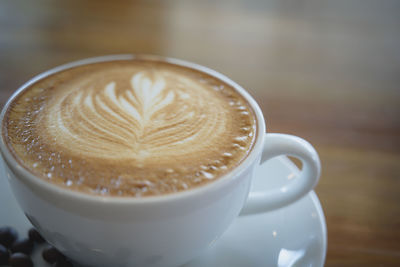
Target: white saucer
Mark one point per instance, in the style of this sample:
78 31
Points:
292 236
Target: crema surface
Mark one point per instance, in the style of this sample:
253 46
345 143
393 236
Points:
129 128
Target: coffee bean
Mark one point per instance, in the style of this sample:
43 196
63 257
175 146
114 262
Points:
51 254
4 255
22 245
7 236
20 260
35 236
62 263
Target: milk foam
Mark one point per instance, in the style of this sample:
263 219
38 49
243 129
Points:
130 128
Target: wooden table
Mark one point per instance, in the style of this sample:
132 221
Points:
326 71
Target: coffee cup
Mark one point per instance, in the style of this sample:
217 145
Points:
160 229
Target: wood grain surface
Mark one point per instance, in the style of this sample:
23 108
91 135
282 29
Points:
328 71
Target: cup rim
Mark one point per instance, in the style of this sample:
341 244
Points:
226 179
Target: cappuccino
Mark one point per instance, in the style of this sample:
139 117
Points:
129 128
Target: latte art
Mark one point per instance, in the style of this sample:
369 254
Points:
142 120
129 128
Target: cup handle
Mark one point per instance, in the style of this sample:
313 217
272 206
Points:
283 144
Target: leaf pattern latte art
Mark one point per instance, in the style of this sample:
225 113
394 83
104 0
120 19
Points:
146 115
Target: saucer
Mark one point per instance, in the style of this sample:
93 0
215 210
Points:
295 235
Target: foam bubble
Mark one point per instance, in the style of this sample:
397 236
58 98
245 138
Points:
241 138
207 175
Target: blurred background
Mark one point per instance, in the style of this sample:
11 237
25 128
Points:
328 71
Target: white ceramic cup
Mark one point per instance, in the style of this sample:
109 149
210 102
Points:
166 230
